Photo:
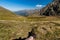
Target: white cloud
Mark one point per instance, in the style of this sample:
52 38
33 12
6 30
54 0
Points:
40 6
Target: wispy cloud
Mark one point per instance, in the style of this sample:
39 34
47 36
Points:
40 6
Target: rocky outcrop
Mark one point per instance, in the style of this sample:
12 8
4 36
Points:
52 9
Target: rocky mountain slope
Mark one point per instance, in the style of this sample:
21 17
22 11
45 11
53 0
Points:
52 9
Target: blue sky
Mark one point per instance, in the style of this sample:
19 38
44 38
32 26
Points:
16 5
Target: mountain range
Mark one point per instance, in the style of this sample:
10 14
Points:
52 9
26 12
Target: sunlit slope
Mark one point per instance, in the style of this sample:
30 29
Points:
8 15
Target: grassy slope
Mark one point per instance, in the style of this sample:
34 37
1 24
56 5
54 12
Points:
8 15
12 26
